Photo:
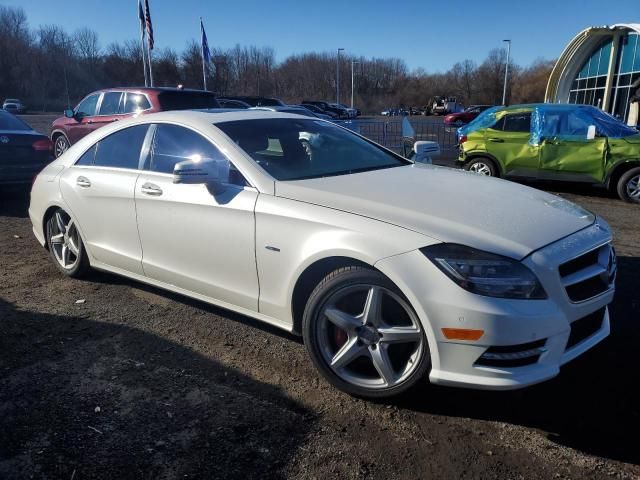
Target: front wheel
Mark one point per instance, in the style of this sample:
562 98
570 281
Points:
629 186
363 336
482 166
60 145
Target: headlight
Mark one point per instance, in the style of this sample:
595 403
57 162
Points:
485 273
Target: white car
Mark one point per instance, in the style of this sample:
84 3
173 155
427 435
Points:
13 105
390 270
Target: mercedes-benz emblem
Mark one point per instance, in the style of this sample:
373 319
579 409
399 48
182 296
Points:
4 139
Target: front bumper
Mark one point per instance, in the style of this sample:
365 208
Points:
440 303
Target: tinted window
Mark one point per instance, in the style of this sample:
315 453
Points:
135 102
293 149
110 103
87 158
173 144
88 106
121 149
9 122
519 122
184 100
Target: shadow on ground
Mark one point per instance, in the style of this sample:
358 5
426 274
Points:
165 411
593 406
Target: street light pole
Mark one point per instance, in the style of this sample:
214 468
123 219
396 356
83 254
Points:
506 73
338 76
353 62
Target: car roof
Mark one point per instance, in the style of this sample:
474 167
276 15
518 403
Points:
152 89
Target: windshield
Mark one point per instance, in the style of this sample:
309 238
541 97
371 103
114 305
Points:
292 149
9 122
184 100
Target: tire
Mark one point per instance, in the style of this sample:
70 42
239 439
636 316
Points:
65 245
482 166
366 356
629 186
60 145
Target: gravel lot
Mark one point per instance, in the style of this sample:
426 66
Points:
135 382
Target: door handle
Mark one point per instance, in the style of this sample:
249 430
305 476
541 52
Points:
89 121
83 182
496 140
151 189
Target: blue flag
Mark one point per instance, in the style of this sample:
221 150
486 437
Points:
206 53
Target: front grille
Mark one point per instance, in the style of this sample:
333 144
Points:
590 274
585 327
512 355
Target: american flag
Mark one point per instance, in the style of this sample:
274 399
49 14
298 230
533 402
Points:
206 53
147 20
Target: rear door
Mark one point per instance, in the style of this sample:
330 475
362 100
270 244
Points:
569 153
99 190
508 142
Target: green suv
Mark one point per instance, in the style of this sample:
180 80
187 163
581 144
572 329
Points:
554 141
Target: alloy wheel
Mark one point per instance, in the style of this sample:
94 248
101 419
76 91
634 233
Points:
61 146
64 240
480 168
633 188
369 336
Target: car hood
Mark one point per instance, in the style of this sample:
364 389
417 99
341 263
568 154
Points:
449 205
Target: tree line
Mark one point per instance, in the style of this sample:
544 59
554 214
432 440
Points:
50 68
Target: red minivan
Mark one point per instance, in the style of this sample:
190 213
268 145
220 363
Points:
112 104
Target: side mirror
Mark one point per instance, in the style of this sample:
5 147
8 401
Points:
69 113
424 150
213 173
591 132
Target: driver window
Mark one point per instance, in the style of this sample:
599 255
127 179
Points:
173 144
87 107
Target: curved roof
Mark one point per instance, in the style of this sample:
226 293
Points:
576 52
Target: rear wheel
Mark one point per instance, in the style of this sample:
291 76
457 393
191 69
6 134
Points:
60 145
362 334
629 186
482 166
65 245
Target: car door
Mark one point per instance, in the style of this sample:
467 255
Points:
508 142
83 116
193 238
568 152
99 190
109 110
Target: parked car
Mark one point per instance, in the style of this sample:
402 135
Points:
254 101
328 108
564 142
390 270
443 105
352 112
462 118
227 103
14 105
318 110
106 106
23 151
298 110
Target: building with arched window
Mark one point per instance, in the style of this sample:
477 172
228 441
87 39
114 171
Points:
598 68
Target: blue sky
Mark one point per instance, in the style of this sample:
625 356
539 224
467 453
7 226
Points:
431 34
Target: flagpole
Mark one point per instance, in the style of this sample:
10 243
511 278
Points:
150 67
204 69
144 60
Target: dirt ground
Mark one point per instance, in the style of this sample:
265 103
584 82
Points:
135 382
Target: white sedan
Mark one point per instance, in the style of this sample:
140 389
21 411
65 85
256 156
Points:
391 271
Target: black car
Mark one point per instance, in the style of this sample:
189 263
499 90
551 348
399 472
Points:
255 101
327 108
228 103
23 151
316 109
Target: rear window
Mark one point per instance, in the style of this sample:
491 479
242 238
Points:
187 100
9 122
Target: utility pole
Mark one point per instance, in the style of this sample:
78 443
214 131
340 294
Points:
353 62
506 73
338 76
